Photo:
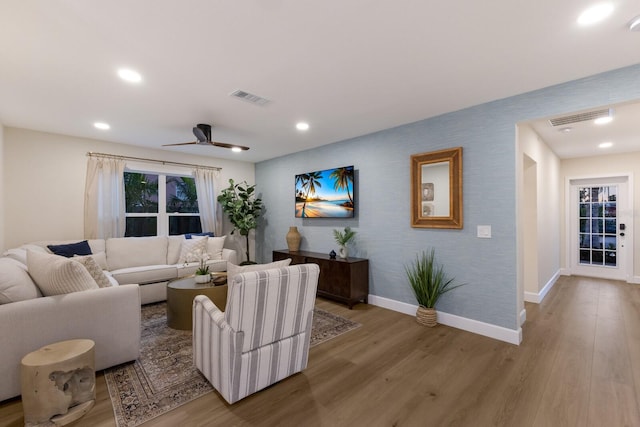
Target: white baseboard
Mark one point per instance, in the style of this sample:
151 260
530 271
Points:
486 329
523 316
565 272
635 280
537 298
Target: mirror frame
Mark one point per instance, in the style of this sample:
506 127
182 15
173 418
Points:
454 220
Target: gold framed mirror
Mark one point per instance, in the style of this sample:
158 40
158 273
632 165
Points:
436 189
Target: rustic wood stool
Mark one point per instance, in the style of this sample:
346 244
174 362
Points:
58 382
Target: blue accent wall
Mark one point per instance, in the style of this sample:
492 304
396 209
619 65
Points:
384 235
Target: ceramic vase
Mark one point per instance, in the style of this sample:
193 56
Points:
293 239
343 252
202 278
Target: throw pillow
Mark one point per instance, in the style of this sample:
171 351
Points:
214 247
192 247
71 249
15 282
190 235
233 269
57 275
94 270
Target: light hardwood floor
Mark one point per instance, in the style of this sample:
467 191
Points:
578 365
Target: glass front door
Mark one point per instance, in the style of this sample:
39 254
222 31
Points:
598 228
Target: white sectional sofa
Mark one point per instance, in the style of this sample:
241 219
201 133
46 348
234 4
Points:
147 261
137 267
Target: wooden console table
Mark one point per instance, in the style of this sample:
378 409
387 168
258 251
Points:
344 280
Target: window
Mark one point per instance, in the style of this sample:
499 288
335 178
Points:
159 204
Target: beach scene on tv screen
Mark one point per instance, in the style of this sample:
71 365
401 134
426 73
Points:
325 194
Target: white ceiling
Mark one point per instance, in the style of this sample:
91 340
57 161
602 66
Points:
347 67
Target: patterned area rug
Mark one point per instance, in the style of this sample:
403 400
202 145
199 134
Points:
164 377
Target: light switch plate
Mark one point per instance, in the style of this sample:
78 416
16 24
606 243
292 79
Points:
484 231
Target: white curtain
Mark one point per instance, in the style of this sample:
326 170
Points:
104 202
206 187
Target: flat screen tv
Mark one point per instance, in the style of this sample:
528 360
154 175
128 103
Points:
326 194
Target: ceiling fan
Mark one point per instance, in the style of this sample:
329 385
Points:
203 136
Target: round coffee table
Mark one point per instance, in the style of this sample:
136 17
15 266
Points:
182 291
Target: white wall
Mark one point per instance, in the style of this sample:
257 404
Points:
539 163
45 180
2 172
613 164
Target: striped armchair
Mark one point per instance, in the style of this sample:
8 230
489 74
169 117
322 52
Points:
262 337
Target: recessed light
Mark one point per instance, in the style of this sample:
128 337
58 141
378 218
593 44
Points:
603 120
302 126
595 14
605 145
236 149
129 75
101 125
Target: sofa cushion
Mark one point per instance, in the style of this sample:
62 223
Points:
15 282
146 274
233 269
101 259
192 248
20 254
70 249
125 252
173 249
57 275
214 246
94 269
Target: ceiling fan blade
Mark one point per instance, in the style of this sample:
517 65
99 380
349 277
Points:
224 145
181 143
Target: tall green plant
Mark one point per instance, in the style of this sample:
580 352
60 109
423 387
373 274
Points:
428 279
243 209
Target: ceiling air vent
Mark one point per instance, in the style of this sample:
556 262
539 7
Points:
580 117
249 97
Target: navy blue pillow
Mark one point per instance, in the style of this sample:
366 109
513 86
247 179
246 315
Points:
71 249
208 233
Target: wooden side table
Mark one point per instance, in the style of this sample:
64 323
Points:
58 382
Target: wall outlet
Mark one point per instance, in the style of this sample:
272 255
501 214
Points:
484 231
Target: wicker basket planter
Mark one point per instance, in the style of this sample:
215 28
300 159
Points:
427 316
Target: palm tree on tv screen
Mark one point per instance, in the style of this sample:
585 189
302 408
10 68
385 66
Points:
309 182
343 177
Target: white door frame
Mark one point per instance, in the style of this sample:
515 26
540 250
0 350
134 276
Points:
625 216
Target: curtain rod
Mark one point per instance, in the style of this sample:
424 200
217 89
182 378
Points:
141 159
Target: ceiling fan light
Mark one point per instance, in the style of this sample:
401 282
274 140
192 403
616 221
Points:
236 149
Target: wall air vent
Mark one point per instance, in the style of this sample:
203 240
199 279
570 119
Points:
249 97
580 117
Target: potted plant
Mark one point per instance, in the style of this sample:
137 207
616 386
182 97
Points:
428 281
342 239
202 273
243 208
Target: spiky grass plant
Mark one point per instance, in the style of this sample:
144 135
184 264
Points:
428 279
